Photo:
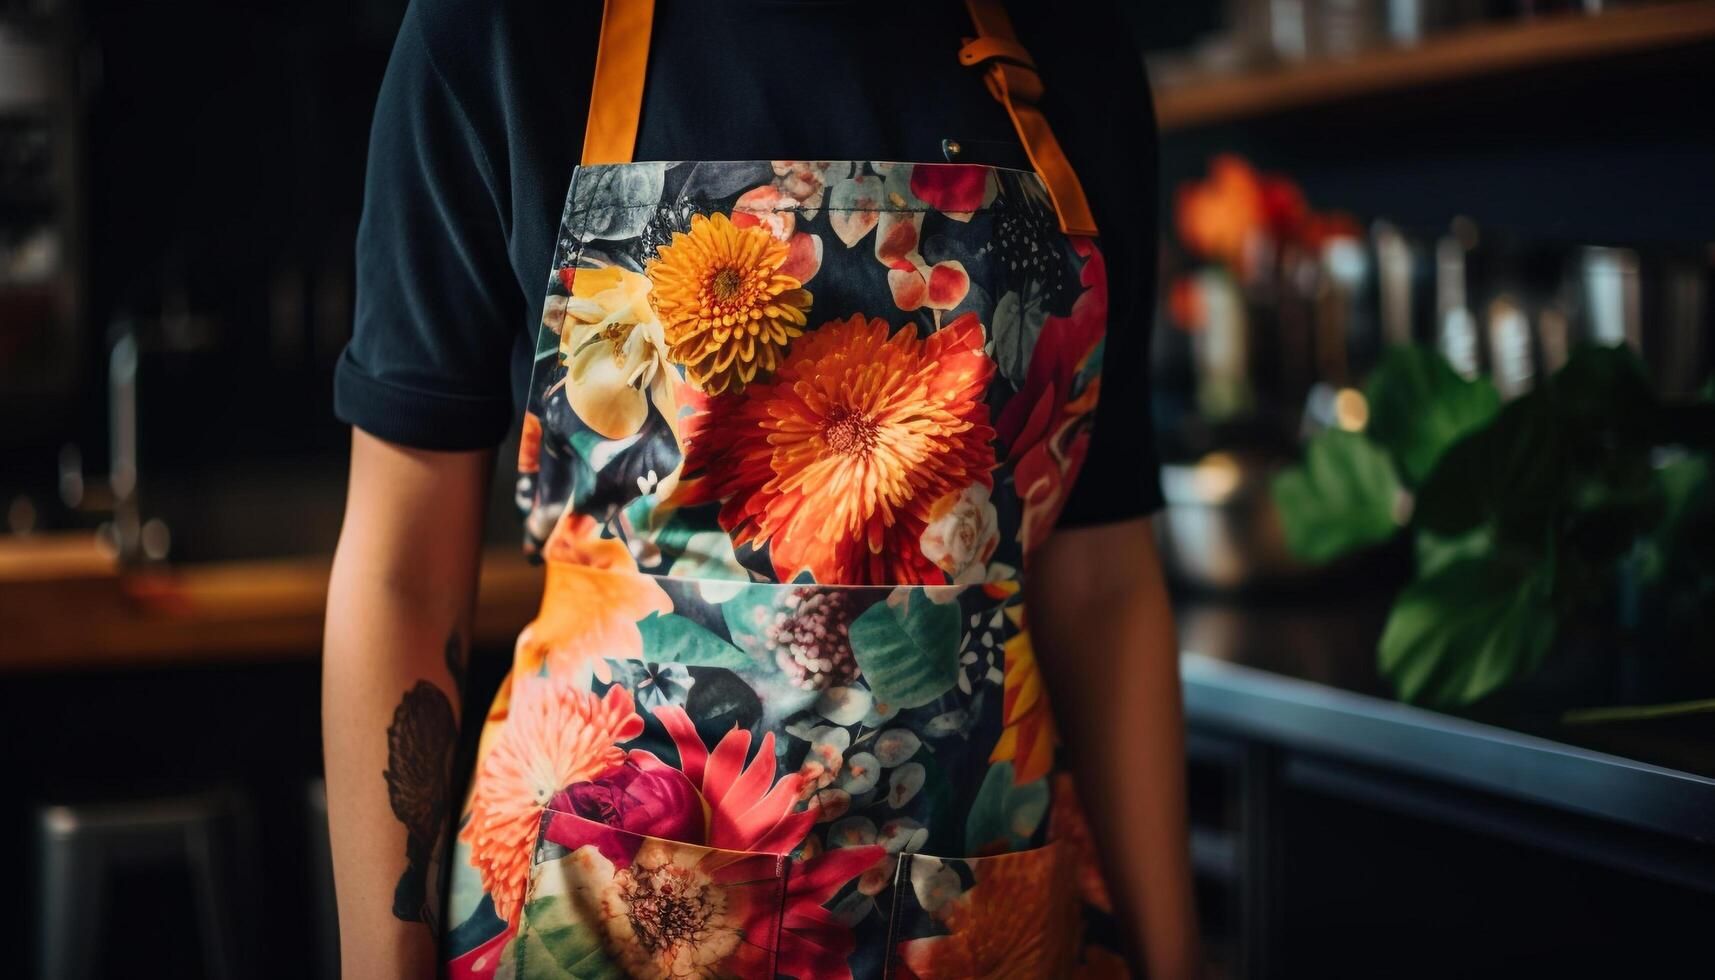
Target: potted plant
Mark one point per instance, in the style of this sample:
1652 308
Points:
1587 499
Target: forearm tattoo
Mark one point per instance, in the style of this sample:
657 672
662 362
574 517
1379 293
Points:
420 745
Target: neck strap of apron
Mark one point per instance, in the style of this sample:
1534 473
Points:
616 94
622 61
1013 81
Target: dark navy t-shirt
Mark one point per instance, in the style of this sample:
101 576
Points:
480 122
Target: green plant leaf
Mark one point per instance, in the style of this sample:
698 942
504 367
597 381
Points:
1610 420
1435 552
671 638
1604 388
1510 472
1569 460
908 648
1419 406
1681 549
1342 497
1607 518
1688 491
1462 633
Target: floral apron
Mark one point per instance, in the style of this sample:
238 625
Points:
793 431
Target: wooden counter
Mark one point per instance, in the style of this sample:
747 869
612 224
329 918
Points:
63 607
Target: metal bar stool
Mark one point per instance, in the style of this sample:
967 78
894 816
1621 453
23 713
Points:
321 872
210 834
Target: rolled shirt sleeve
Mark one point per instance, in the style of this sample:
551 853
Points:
437 305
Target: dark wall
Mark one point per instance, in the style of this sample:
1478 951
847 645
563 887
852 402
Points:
226 144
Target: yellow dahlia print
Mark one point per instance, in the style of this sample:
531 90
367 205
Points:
728 310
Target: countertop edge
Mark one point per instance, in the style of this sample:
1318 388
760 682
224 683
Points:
1306 715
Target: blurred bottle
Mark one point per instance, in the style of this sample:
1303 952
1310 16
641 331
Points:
1455 326
1514 367
1350 342
1346 28
1554 337
1293 31
1413 21
1683 328
1221 351
1613 311
1394 274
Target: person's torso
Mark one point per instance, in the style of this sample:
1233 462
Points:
793 428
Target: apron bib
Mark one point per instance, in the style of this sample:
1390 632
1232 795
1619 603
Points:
793 431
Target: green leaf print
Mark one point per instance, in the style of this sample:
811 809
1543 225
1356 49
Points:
673 639
1014 328
1005 812
709 555
588 445
748 614
668 528
908 649
553 945
944 822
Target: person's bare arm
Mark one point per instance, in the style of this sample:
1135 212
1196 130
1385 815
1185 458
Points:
398 628
1099 615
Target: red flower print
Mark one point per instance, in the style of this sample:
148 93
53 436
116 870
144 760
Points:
912 280
750 811
948 284
641 797
896 238
956 190
1041 427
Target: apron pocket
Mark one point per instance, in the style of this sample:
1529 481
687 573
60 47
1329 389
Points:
1006 916
605 902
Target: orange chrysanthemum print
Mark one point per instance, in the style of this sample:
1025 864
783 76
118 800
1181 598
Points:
993 934
1067 824
836 463
555 734
728 310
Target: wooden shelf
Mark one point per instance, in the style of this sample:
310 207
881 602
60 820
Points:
1454 57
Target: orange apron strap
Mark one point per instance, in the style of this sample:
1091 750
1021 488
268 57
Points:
616 94
1012 79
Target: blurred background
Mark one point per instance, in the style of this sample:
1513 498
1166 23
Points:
1432 376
